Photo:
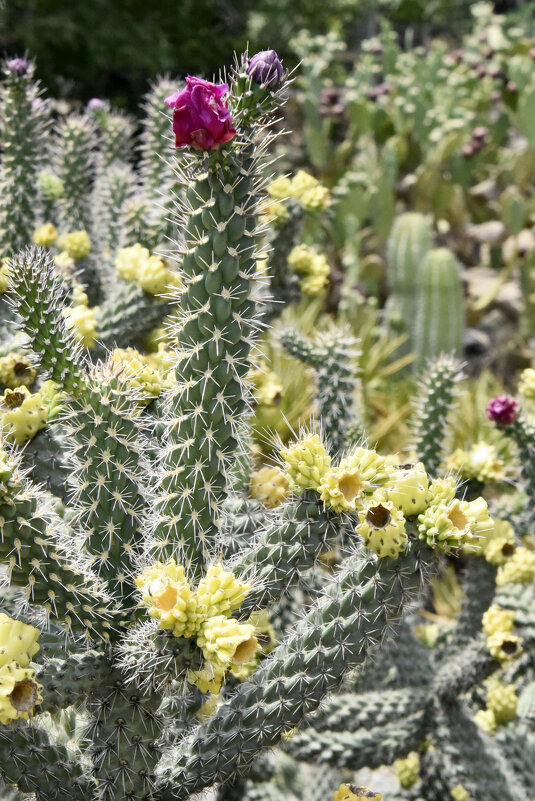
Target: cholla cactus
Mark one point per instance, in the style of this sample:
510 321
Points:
139 579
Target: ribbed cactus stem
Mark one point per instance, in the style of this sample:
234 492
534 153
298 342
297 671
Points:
114 189
438 322
32 548
70 680
333 355
286 547
23 134
32 763
74 166
339 632
435 397
115 139
156 142
215 334
126 317
410 240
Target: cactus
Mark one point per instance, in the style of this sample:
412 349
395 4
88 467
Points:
438 308
153 596
409 242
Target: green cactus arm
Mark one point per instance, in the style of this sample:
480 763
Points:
464 755
24 131
115 140
353 616
242 519
74 165
39 297
333 355
32 763
517 743
364 748
44 458
435 397
125 728
33 551
105 454
438 323
349 712
287 545
522 432
70 680
479 585
112 192
155 171
218 322
125 318
462 669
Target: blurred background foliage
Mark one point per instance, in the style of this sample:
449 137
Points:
112 48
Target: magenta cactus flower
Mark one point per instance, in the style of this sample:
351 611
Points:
265 68
200 117
502 410
18 66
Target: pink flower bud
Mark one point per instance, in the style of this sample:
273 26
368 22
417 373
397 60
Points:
265 68
502 410
200 117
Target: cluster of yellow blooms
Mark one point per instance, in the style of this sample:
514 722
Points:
267 388
516 563
408 770
498 624
23 414
348 792
72 246
480 463
313 266
501 706
270 486
526 386
16 370
135 263
304 188
385 495
460 793
205 614
45 235
82 319
149 373
19 691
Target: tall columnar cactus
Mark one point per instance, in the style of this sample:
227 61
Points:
438 322
23 131
75 166
409 243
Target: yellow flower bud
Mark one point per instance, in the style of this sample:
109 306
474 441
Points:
498 619
22 414
350 792
220 592
486 721
504 646
520 569
16 370
83 324
407 487
460 793
382 526
502 701
45 235
306 462
227 643
408 769
18 641
19 692
76 244
269 485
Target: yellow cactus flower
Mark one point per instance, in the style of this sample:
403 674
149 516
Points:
520 569
267 639
79 296
45 235
480 463
19 692
350 792
302 258
460 793
209 679
306 462
276 213
4 276
16 370
312 264
486 721
166 592
302 182
500 545
359 473
83 324
18 641
316 198
280 188
64 262
408 769
76 244
219 592
129 261
504 646
407 487
134 367
155 277
526 386
227 643
22 414
498 619
382 527
454 524
441 490
270 486
502 701
164 360
267 387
